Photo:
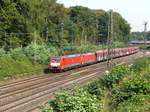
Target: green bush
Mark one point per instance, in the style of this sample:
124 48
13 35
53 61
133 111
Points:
17 53
118 44
73 101
2 52
141 64
95 88
134 85
145 47
116 74
138 103
138 84
40 53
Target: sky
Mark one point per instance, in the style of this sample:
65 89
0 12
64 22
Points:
136 12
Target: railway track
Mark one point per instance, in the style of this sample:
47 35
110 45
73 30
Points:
44 76
26 94
39 79
23 96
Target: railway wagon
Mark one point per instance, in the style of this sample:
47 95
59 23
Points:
100 55
132 50
71 61
124 51
117 52
103 55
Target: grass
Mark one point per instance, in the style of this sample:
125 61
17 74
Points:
12 68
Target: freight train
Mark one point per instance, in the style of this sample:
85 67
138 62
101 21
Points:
61 63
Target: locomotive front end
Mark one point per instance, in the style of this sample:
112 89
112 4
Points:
55 63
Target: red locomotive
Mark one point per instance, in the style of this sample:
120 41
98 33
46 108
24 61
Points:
70 61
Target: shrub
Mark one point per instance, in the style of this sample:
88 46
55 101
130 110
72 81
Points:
136 84
40 53
116 74
141 64
77 101
2 52
95 88
118 44
131 86
17 53
138 103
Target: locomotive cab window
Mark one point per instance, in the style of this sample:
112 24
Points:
55 59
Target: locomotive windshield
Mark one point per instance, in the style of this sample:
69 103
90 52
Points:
55 59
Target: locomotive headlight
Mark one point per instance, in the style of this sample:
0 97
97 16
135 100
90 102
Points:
55 64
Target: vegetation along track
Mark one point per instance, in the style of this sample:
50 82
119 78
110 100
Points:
23 95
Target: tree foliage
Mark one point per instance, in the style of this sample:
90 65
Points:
55 24
140 36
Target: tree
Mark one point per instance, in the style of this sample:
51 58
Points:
12 23
54 24
85 19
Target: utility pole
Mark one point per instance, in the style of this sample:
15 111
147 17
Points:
109 40
96 35
35 39
145 29
47 34
62 36
72 42
5 45
82 37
